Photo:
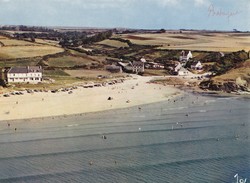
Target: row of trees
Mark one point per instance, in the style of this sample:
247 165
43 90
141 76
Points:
55 35
75 39
31 35
26 28
66 39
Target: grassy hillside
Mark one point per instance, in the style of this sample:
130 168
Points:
243 71
229 61
234 80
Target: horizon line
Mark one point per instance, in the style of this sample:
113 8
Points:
125 28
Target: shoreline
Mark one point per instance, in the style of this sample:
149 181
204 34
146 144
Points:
197 90
132 92
183 85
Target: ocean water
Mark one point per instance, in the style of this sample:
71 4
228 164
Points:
191 138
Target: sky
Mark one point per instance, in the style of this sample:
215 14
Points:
139 14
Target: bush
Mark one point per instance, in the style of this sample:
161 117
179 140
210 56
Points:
2 83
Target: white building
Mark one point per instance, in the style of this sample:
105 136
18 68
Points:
197 66
189 55
184 57
153 65
143 60
178 67
183 72
138 67
29 74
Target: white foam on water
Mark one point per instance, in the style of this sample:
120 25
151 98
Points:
72 125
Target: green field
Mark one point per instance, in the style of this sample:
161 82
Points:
113 43
27 51
69 61
19 62
55 73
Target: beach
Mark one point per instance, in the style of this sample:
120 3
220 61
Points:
134 91
133 131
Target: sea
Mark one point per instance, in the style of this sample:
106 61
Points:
191 138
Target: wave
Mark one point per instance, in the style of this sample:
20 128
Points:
142 124
130 171
212 139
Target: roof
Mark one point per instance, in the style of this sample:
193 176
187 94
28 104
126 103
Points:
195 63
184 53
137 64
113 67
143 60
26 69
123 64
18 70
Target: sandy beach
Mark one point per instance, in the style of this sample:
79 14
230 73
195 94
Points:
132 92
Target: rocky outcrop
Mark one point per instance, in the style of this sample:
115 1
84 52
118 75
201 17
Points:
227 86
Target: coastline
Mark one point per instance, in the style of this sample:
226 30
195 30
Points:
197 90
191 86
132 92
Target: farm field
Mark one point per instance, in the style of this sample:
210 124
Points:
225 42
13 42
69 61
113 43
2 37
12 52
48 42
19 62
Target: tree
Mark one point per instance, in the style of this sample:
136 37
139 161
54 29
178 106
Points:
162 31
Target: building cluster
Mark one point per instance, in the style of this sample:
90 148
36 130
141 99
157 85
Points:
183 60
175 67
136 67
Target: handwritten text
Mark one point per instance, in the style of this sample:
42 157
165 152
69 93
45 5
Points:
213 11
